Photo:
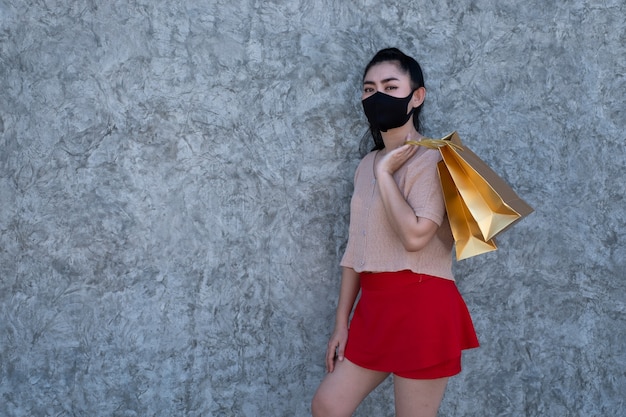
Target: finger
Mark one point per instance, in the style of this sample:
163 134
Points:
405 152
340 352
330 366
330 358
327 359
409 150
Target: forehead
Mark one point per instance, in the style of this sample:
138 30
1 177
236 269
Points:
385 70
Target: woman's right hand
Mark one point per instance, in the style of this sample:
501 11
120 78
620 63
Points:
336 348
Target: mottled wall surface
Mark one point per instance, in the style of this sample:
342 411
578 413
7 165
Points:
175 179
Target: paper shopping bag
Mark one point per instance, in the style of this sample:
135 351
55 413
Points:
491 201
479 203
467 236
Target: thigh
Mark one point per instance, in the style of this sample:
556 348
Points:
342 390
418 397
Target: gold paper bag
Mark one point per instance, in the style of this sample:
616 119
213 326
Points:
491 201
467 236
479 203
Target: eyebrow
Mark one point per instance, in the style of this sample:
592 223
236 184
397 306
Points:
386 80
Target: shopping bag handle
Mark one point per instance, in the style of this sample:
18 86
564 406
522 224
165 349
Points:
434 143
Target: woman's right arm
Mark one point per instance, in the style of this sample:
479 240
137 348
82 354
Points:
350 285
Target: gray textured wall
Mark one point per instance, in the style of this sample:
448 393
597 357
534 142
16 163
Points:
175 179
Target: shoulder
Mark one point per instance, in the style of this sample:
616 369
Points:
430 155
424 159
369 158
367 161
366 166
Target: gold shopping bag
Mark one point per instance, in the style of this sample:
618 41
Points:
489 206
493 203
467 236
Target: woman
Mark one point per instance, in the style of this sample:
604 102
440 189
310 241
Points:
410 320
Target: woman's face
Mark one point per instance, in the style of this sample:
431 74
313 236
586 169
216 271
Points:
388 78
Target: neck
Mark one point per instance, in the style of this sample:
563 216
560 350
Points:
395 138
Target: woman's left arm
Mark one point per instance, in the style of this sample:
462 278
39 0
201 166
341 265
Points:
414 232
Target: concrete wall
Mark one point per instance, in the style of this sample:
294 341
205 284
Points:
175 179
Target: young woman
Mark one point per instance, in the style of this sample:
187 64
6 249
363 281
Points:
410 320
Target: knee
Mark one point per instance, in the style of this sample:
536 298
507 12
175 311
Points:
317 405
320 405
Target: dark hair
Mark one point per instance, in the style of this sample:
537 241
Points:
408 65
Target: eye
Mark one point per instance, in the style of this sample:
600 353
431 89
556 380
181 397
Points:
391 88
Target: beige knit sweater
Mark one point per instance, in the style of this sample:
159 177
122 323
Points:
373 245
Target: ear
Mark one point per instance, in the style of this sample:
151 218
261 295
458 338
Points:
418 97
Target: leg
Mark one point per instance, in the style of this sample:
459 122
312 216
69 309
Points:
342 390
418 397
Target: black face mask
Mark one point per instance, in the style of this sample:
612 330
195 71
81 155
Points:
385 112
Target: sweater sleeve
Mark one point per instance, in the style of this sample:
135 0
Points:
422 188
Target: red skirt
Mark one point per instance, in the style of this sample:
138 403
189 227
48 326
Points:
412 325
